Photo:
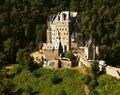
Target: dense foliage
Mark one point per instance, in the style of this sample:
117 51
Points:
19 81
23 27
70 55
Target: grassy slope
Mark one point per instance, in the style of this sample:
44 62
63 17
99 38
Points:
51 82
62 82
108 85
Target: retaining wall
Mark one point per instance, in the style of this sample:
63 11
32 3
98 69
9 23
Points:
113 71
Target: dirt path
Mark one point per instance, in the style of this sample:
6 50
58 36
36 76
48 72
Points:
86 89
10 66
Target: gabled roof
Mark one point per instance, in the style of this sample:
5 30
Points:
63 16
90 43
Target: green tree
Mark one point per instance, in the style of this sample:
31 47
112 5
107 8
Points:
75 5
28 61
9 49
62 92
93 84
15 70
69 55
20 56
27 33
2 59
95 69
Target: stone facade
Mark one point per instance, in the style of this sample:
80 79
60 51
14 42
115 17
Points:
60 28
91 51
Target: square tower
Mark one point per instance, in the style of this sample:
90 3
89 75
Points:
59 30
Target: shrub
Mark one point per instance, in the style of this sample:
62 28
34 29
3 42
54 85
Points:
28 89
86 79
95 69
69 55
93 84
93 92
36 73
62 92
15 70
56 80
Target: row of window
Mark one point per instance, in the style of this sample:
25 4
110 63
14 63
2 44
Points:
51 47
60 29
63 29
60 38
60 33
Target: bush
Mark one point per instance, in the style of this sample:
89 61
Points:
93 92
62 92
15 70
69 55
56 80
86 79
28 89
93 84
36 73
95 69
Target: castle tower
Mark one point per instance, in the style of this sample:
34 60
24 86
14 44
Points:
97 52
49 38
59 30
57 43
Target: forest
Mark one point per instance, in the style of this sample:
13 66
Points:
42 81
23 25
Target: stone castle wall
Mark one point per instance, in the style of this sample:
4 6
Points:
113 71
85 62
66 64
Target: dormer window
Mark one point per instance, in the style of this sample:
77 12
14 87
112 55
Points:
64 16
58 18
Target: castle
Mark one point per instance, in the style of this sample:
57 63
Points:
63 31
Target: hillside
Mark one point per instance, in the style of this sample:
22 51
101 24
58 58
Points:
56 82
23 30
